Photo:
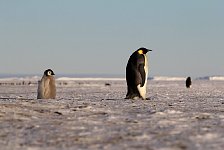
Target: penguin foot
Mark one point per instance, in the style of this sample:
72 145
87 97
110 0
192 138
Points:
134 98
148 98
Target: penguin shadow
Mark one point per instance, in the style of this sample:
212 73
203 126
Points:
136 99
111 99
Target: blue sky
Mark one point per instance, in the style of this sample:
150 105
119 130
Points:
98 36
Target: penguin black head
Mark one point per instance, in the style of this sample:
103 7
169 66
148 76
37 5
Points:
143 50
48 72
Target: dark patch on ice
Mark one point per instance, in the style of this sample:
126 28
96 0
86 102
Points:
59 113
81 106
7 98
26 99
170 104
107 84
42 110
203 117
129 120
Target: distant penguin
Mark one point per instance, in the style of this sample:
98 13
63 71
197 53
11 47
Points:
137 74
46 86
188 82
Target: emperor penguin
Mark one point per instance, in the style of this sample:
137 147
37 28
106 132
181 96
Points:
137 74
46 86
188 82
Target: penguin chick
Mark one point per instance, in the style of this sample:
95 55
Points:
188 82
46 86
137 74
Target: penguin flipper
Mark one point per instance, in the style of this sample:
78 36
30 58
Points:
142 73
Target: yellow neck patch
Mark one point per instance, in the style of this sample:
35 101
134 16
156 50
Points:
140 51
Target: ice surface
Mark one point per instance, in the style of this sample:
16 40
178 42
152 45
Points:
93 114
89 79
217 78
163 78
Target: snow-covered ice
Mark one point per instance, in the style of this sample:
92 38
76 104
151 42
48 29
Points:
93 114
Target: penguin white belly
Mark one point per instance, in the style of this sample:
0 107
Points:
142 90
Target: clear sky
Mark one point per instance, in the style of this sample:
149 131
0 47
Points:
98 36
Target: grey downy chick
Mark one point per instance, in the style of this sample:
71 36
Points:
46 86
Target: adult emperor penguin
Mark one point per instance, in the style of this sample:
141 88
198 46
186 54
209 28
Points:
137 74
188 82
46 86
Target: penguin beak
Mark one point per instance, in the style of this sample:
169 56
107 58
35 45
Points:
52 73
